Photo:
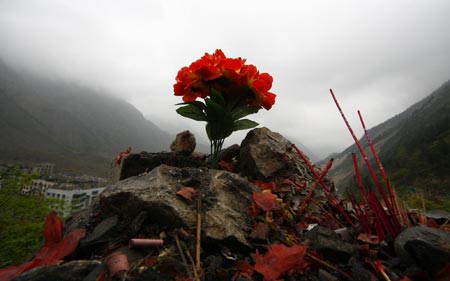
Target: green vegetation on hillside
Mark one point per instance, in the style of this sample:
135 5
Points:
22 218
415 152
423 167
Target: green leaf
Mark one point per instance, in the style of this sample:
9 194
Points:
198 104
217 97
244 124
243 111
193 112
214 111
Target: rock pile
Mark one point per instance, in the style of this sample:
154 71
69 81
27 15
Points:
264 216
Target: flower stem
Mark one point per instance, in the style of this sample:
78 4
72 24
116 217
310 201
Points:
216 147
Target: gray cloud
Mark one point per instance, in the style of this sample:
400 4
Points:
379 57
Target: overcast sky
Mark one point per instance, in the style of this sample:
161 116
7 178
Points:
378 56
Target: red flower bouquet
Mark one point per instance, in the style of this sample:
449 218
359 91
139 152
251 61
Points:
230 89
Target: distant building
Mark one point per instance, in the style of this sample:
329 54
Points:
73 198
72 192
45 170
37 187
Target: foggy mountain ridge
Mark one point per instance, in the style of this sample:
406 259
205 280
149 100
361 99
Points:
50 120
424 124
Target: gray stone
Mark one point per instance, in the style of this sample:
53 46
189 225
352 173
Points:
135 164
77 220
426 246
326 276
359 272
262 152
230 213
437 214
227 198
230 152
100 230
184 143
329 244
72 271
267 155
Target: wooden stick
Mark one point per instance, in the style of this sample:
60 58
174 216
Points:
193 265
183 257
199 232
444 224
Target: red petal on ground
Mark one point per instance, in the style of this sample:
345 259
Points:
51 254
432 223
227 165
280 259
245 269
266 185
150 261
53 250
187 193
53 231
265 201
302 225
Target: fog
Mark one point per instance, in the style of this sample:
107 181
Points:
379 57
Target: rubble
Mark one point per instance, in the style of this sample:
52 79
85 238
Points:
184 143
266 216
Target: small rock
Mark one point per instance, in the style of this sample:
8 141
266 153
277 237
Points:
329 245
184 143
439 215
229 152
359 273
326 276
261 154
426 246
99 232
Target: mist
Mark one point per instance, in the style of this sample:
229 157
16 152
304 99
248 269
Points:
378 57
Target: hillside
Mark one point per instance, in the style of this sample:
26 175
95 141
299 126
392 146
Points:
77 128
414 147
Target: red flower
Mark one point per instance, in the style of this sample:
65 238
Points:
229 76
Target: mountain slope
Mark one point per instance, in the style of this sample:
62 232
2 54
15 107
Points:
43 120
414 147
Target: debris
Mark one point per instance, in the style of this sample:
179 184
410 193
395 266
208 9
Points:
117 264
144 243
169 217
